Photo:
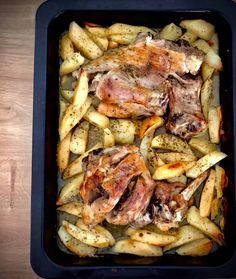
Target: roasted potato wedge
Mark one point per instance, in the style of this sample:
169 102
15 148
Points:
72 116
79 138
123 39
66 47
123 130
81 90
214 43
74 208
205 225
185 235
62 108
96 230
171 170
70 191
204 146
207 195
96 30
171 142
83 43
170 32
63 152
214 60
170 157
152 238
71 64
206 71
109 139
215 124
206 94
189 37
101 42
149 124
96 118
134 247
178 179
145 144
89 237
76 166
74 245
215 205
199 27
200 247
121 28
221 181
67 95
202 45
205 163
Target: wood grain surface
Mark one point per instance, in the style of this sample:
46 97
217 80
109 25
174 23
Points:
16 99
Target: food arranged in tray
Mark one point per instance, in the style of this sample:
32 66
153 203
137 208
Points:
139 148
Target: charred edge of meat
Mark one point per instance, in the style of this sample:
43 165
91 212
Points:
96 193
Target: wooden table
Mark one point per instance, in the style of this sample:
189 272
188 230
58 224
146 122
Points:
16 99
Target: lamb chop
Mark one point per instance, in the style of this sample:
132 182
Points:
108 172
171 203
185 118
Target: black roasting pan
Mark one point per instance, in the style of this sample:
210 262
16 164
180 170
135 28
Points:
52 18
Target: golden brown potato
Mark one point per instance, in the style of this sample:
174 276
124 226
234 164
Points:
96 118
215 205
109 139
134 247
220 181
171 142
95 29
202 45
71 63
206 94
200 247
199 27
214 60
121 28
74 208
204 146
79 138
82 42
123 130
74 245
66 47
112 44
145 144
149 124
207 195
215 123
102 42
81 90
63 152
178 179
123 39
170 32
67 95
206 71
189 37
62 108
170 157
70 191
205 163
205 225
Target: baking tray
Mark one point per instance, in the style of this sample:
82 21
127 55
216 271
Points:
52 18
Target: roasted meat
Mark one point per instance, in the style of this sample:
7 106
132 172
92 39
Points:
185 118
123 96
108 173
146 53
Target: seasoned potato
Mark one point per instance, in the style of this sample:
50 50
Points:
189 37
171 142
207 195
170 157
112 44
214 60
81 90
152 237
96 230
215 124
220 181
67 95
149 124
96 118
145 145
215 205
109 139
205 225
66 47
62 108
171 170
204 146
178 179
70 191
82 42
185 235
205 163
123 130
199 27
202 45
214 43
130 246
96 30
63 152
79 138
170 32
206 94
121 28
206 71
74 208
72 116
102 42
71 64
123 39
76 166
89 237
200 247
74 245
